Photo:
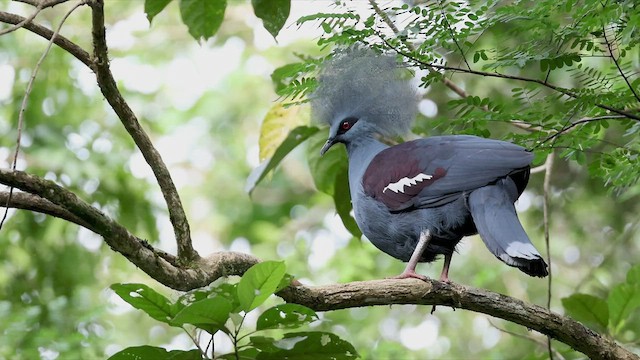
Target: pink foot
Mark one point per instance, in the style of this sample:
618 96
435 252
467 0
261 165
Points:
409 275
445 279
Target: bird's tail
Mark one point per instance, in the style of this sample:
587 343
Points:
498 225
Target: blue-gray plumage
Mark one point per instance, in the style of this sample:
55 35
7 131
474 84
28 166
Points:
417 200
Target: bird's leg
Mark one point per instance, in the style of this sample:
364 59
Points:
410 270
444 276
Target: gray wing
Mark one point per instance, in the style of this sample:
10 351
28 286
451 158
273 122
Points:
434 171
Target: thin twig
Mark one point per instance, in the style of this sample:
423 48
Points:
530 338
66 44
27 93
109 88
615 61
538 169
453 36
521 78
211 345
578 122
512 77
545 216
546 78
44 3
26 20
448 83
195 341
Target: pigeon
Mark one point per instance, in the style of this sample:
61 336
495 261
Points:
416 200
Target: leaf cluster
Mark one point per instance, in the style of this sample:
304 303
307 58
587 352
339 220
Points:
611 313
223 308
204 17
564 71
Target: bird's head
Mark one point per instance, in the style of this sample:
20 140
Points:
344 132
361 94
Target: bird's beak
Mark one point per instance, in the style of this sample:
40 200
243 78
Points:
327 145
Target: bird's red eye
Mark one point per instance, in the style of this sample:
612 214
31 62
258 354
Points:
346 125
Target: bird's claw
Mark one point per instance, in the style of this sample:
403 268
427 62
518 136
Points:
410 275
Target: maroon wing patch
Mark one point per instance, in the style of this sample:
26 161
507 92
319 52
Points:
395 180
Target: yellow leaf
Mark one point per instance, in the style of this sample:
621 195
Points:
277 124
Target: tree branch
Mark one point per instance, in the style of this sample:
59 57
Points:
202 272
579 122
27 93
112 94
514 77
21 23
615 61
448 83
525 79
109 89
545 219
432 292
26 201
42 3
163 267
529 338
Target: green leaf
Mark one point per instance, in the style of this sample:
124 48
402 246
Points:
209 314
154 7
144 298
330 175
156 353
259 282
623 299
588 309
286 281
285 316
202 17
225 290
274 14
544 65
246 354
310 345
342 201
324 169
295 138
283 76
633 275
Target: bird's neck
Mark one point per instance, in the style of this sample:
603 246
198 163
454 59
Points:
361 152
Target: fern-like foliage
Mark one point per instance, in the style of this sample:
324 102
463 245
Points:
549 74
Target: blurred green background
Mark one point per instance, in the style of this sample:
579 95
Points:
202 104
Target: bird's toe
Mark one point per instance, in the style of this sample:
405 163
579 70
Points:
410 275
